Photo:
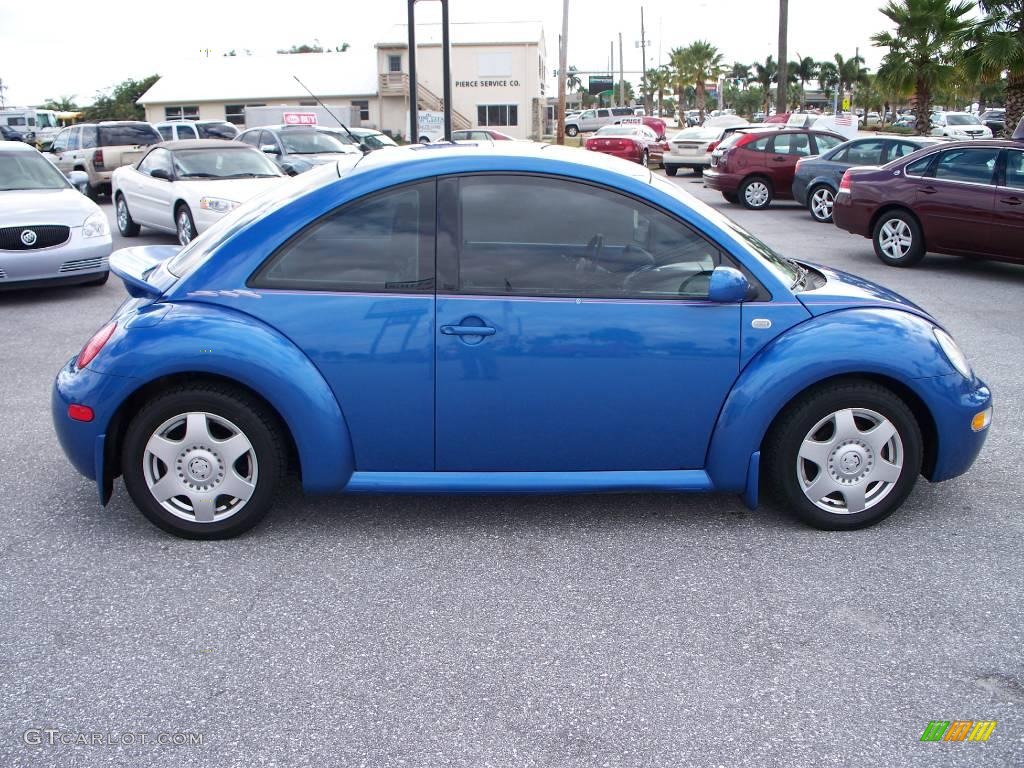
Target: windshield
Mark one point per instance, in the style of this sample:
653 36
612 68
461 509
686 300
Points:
698 134
962 120
28 170
785 269
311 142
222 163
128 135
618 130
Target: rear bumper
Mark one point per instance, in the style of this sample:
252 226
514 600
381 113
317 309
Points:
632 155
851 216
688 161
77 257
722 182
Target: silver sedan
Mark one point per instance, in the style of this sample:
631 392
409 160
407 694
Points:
49 230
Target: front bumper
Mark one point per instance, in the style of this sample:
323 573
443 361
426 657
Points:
953 402
77 257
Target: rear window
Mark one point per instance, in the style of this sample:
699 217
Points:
129 134
217 131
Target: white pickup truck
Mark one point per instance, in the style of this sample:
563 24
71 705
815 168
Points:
592 119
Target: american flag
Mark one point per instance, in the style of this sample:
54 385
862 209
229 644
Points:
844 120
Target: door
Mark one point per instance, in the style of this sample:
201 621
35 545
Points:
785 150
59 149
149 198
355 291
574 332
954 201
1008 216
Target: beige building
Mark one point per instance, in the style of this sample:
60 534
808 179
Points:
498 80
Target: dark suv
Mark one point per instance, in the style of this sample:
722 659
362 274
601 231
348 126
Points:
754 166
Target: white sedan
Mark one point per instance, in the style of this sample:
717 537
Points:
186 186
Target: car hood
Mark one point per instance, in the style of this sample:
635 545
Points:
22 207
845 291
326 157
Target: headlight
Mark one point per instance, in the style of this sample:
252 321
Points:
217 204
96 225
953 353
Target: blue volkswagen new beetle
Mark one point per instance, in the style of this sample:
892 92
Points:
529 319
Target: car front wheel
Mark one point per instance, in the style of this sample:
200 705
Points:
820 203
185 225
898 240
645 159
571 130
844 456
203 462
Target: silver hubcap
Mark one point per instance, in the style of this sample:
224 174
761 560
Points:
895 238
122 214
185 233
821 203
849 461
200 467
644 160
756 194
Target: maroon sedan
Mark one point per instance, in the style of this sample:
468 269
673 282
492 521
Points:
753 166
964 199
636 143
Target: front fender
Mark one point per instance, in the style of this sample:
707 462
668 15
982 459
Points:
200 338
881 342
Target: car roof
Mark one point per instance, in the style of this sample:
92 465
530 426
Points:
202 144
16 146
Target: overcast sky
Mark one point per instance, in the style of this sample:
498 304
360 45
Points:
60 47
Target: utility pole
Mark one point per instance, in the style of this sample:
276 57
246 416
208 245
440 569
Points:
622 84
563 57
3 88
781 97
611 71
856 60
644 85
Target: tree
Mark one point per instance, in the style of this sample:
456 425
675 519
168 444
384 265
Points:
573 82
62 104
120 104
741 72
626 91
921 51
700 62
995 46
679 62
804 69
315 48
764 76
657 80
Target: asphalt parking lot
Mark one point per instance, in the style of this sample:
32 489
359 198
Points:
509 631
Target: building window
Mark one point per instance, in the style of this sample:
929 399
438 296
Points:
235 113
181 113
307 103
394 63
364 108
497 114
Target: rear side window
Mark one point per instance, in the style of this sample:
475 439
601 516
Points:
165 132
974 166
792 144
825 142
902 149
128 134
862 153
1015 169
379 244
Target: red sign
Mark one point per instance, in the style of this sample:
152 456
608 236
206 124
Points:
299 118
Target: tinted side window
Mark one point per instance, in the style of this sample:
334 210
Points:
88 140
252 138
825 143
165 132
902 149
919 167
792 144
1014 169
865 152
563 238
975 166
129 134
381 243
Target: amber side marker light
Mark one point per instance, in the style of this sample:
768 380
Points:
80 412
982 419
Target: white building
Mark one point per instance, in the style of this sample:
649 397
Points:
498 74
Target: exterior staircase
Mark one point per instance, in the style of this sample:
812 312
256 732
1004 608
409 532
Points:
397 84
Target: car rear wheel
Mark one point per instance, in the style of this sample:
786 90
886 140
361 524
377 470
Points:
125 224
755 193
185 225
670 170
820 203
898 240
203 462
571 130
844 456
645 159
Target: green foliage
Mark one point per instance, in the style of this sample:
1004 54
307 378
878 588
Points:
62 104
995 45
314 48
119 103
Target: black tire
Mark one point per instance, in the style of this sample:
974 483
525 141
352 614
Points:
99 280
252 419
184 224
755 193
895 254
93 193
572 130
783 464
828 198
645 159
698 170
125 224
671 170
730 197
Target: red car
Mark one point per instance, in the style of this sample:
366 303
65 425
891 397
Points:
480 134
634 142
754 166
963 198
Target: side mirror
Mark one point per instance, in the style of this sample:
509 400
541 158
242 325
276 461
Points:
79 180
160 173
288 168
270 149
727 286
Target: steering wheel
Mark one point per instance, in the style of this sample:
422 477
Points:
695 276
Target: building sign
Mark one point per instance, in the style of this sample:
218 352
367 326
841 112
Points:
486 83
299 118
599 84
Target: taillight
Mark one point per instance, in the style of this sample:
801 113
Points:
97 159
844 184
712 145
95 344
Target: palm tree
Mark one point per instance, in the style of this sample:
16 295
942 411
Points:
805 69
740 71
701 63
658 81
921 51
764 75
828 77
572 79
63 104
679 59
996 45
